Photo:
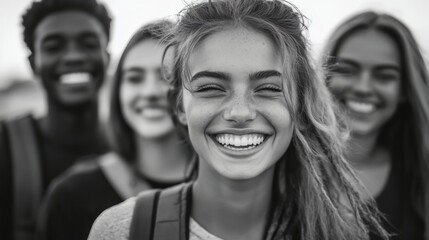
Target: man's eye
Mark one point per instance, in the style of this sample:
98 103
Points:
90 44
51 46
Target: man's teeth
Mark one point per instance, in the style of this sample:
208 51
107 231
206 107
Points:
360 106
75 78
243 142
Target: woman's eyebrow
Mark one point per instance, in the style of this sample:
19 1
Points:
388 67
210 74
264 74
133 69
347 61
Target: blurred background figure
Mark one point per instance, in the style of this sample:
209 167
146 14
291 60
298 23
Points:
68 42
149 152
376 72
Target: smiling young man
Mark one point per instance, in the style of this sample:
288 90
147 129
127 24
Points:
67 41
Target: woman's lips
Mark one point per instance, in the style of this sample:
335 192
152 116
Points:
154 112
360 107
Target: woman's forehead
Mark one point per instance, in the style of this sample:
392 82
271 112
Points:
234 49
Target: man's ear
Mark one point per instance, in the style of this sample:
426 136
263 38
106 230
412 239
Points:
31 61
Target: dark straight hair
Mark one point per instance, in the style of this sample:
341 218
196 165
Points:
122 137
406 134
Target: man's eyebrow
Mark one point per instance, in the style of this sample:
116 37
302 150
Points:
210 74
264 74
88 34
50 37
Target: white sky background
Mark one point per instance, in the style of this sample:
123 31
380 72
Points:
128 15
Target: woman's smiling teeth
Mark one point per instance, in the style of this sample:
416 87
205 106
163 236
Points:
362 107
153 112
240 142
75 78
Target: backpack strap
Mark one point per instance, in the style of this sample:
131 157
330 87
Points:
27 179
172 214
145 209
121 176
426 207
162 215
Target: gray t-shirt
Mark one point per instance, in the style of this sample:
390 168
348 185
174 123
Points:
114 224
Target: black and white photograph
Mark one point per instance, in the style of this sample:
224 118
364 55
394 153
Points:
214 120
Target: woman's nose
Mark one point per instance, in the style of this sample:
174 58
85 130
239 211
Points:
363 84
240 110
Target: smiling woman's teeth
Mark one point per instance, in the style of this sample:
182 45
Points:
153 112
75 78
360 106
240 142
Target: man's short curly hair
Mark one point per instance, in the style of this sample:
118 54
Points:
40 9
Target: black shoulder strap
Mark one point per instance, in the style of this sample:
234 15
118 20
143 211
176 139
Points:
27 180
172 214
162 215
426 207
142 220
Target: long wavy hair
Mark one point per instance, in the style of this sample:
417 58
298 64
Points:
406 134
314 191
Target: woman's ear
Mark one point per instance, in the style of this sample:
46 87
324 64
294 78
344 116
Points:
107 60
175 99
181 116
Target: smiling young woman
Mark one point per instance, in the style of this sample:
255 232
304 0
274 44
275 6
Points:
270 150
377 74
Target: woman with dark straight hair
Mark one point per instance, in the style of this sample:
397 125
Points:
270 147
376 72
149 151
